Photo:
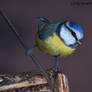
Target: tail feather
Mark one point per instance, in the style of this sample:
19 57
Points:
45 20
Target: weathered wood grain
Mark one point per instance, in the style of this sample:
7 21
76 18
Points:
28 82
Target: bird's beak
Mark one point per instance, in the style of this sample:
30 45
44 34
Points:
79 42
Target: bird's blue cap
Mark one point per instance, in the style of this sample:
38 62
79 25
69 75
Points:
75 26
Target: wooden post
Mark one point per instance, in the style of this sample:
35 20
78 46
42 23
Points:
28 82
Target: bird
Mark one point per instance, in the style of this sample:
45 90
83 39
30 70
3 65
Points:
59 39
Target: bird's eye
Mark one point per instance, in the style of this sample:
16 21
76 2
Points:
76 28
72 32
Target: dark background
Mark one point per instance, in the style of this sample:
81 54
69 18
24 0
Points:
23 14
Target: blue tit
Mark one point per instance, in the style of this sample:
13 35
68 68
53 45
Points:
58 39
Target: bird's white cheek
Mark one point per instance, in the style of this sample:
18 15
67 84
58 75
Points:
66 36
79 35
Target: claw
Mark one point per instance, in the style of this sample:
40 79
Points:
29 51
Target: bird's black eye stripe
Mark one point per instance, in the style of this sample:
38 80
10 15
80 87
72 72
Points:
73 33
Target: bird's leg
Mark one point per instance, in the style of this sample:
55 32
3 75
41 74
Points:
29 51
57 68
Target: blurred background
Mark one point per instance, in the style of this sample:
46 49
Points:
23 14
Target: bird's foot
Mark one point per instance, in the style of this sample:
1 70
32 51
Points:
30 51
57 69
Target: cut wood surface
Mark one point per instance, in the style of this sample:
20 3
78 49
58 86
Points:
29 82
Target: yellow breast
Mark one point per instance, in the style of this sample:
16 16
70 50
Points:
53 46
